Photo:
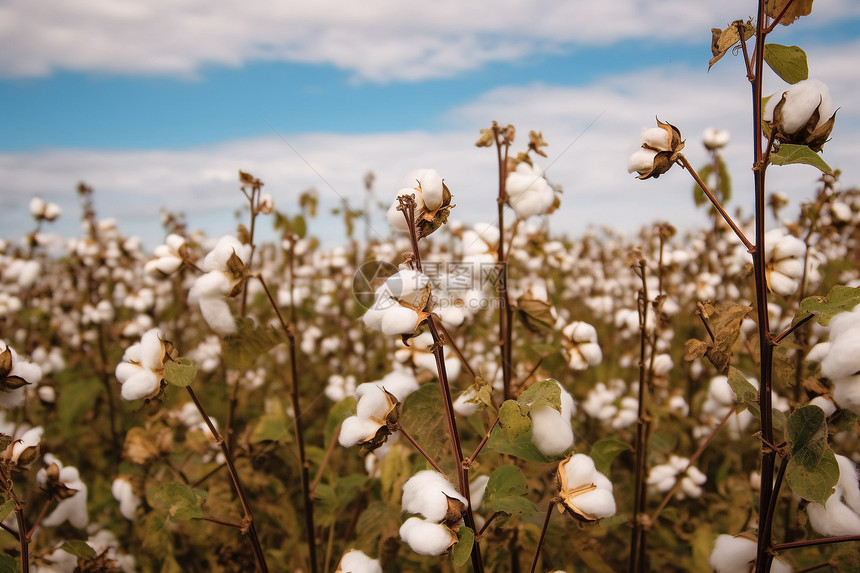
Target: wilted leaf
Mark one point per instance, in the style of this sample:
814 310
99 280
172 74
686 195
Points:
506 490
536 315
694 348
142 445
812 470
723 40
790 154
542 393
604 451
242 349
798 8
180 373
79 548
839 299
513 420
178 501
789 62
726 324
463 548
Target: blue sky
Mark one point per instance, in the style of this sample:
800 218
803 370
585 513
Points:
161 103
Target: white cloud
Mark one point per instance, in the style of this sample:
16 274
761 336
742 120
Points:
589 162
380 40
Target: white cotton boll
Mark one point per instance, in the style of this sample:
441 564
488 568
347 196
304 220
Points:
123 492
400 383
656 137
827 405
732 554
714 138
662 364
22 369
788 247
37 207
834 518
355 429
355 561
372 401
662 477
801 101
72 509
528 192
399 320
426 538
211 284
842 360
580 471
224 249
489 233
463 405
152 350
175 242
451 316
477 488
216 312
395 217
551 433
473 244
641 160
165 265
848 483
142 384
426 493
373 318
405 282
430 183
598 503
28 439
678 405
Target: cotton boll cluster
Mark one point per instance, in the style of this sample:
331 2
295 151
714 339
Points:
142 368
123 492
377 403
72 508
839 358
586 493
784 261
168 257
611 404
419 354
440 507
580 345
840 515
355 561
397 303
552 432
662 477
737 555
720 400
528 192
225 270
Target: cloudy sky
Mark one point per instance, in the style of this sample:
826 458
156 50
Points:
158 104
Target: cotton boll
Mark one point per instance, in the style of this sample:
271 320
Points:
354 430
801 100
551 433
142 384
430 183
846 393
826 405
373 318
224 249
489 233
355 561
123 492
732 554
426 538
427 493
395 217
834 518
477 487
641 160
580 471
464 404
656 137
216 312
598 503
399 320
372 401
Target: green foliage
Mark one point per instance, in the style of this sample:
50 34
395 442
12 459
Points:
463 548
506 490
604 452
177 501
420 415
180 373
273 425
513 415
521 446
812 469
8 564
839 299
789 62
513 420
7 508
790 154
242 349
79 549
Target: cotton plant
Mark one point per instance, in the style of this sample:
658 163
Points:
65 483
840 514
737 554
552 432
802 114
663 477
438 509
584 492
580 345
15 375
142 368
840 361
432 203
168 257
224 276
528 192
123 492
377 410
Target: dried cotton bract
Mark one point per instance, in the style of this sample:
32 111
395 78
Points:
585 493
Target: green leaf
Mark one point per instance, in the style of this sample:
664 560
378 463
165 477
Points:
422 416
6 508
839 299
8 564
513 420
746 392
180 373
543 393
78 548
790 154
178 501
521 447
273 425
789 62
812 470
699 197
462 550
242 349
604 451
300 227
506 490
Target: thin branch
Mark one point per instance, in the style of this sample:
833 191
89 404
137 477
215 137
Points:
814 542
418 447
790 330
542 535
486 437
326 458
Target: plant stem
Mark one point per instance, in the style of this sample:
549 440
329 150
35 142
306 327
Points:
331 445
248 525
420 449
815 542
505 312
304 464
486 437
542 535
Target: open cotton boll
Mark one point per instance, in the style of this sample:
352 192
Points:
426 538
551 433
224 249
464 404
597 503
477 488
217 314
801 101
427 493
372 318
732 554
489 233
399 320
528 192
395 217
355 429
430 183
355 561
846 393
404 283
841 513
842 359
657 138
642 160
123 492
